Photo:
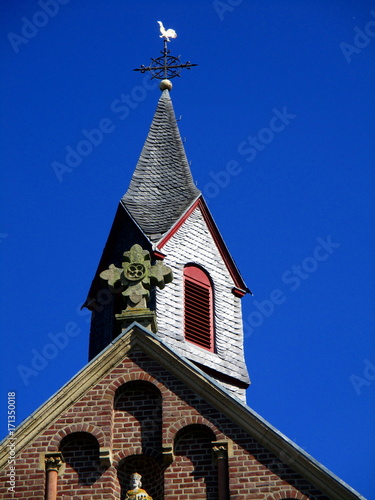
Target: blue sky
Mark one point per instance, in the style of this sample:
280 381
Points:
279 125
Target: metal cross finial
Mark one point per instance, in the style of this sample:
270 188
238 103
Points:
165 66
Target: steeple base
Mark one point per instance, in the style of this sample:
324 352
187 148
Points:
145 317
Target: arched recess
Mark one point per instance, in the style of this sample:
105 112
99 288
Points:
131 377
138 415
193 461
173 430
198 307
151 471
80 451
55 441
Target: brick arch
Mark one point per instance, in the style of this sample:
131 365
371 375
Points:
287 494
172 431
81 455
127 452
102 439
134 451
146 385
132 377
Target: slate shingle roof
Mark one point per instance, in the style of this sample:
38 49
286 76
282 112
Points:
162 187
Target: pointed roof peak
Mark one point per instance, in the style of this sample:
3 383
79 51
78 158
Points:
162 187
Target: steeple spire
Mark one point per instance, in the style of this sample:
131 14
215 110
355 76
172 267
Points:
164 216
162 186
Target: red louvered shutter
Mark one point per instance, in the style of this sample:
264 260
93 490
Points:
198 308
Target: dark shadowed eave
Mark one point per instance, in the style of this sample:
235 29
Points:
162 187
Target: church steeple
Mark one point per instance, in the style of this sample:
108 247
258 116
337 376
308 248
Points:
162 186
199 313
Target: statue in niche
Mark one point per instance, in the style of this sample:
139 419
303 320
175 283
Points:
136 492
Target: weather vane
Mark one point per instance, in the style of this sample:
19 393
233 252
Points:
166 66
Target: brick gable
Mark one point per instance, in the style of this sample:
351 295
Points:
141 407
138 409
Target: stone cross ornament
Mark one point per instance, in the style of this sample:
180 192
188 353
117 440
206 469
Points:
136 277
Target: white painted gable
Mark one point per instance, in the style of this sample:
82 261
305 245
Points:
194 243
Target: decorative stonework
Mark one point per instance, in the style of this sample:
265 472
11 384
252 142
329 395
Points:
136 278
53 461
222 450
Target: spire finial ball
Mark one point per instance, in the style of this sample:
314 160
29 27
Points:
165 84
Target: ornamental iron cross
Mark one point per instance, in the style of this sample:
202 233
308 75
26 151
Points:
136 277
165 66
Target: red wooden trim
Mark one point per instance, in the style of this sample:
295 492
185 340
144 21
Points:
237 292
224 252
178 224
158 255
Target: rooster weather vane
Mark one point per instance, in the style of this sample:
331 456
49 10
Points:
165 66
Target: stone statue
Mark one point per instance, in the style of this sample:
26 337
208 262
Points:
136 492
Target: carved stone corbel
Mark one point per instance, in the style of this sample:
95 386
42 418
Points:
53 461
222 449
168 456
105 456
220 452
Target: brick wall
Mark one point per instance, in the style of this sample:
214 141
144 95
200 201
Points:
138 416
135 410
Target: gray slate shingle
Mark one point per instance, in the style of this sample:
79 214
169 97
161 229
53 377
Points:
162 187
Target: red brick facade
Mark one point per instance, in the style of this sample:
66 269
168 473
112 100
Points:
137 411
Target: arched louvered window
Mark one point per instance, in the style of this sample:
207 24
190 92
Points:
199 317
